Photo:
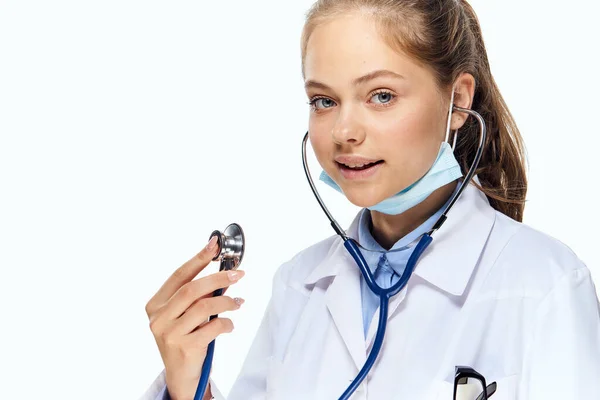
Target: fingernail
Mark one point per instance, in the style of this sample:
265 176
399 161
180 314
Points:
238 300
234 275
211 243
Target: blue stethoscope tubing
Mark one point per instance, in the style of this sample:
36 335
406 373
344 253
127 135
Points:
352 247
384 297
207 364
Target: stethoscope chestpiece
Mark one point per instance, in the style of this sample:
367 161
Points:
231 247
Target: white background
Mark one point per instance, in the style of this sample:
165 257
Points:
130 130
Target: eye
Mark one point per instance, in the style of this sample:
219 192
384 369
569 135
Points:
384 97
319 103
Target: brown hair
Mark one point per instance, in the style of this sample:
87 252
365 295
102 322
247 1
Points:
445 36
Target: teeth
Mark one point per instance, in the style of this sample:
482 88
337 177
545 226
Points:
357 165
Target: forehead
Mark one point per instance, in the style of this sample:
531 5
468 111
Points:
350 46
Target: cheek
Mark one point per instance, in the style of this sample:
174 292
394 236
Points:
408 138
320 142
411 144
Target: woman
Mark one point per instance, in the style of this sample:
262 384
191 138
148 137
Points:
490 292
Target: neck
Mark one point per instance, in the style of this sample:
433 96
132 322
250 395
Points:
388 229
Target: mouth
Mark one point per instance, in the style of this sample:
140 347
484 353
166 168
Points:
359 171
359 167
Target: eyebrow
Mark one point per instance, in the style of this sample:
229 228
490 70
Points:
358 81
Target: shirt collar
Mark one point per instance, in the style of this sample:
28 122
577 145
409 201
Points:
450 259
365 238
397 259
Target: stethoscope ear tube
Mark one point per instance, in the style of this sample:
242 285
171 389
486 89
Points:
334 224
472 169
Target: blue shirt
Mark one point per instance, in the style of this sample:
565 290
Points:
393 263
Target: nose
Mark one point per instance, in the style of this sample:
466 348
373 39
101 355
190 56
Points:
347 129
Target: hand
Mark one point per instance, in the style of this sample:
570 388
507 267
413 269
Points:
179 314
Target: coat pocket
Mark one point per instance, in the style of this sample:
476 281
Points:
506 389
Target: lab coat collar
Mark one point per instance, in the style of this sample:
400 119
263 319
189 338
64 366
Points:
450 259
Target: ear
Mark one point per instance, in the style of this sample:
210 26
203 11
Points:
464 91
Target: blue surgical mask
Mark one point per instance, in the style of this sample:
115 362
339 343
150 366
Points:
444 170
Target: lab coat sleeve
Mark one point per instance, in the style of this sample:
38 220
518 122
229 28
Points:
158 389
563 360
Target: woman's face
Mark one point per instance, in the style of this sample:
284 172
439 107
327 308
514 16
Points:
370 104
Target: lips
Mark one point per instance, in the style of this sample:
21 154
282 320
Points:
359 171
353 160
360 167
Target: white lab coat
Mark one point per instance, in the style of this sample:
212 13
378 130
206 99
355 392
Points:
489 293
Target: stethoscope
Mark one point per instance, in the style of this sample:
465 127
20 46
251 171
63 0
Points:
231 246
353 246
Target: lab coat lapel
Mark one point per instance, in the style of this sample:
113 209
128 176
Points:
449 261
456 248
343 296
343 299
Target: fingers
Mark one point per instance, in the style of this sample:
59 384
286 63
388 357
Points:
199 313
194 290
183 275
210 331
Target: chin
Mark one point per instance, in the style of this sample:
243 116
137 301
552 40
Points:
362 199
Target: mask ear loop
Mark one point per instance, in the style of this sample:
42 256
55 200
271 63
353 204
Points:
450 109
